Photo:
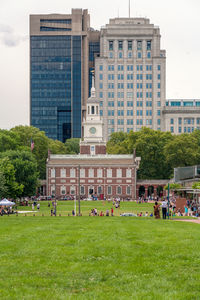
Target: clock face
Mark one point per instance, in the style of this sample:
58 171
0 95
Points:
92 130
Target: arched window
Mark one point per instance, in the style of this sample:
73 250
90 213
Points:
92 110
119 190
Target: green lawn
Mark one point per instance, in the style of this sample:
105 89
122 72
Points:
98 257
65 207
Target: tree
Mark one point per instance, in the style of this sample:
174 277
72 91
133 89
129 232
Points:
3 188
182 151
72 146
56 147
14 189
41 142
8 140
26 172
118 143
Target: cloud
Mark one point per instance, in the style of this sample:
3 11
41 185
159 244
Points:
9 38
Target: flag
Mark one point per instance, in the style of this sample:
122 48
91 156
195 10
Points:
32 145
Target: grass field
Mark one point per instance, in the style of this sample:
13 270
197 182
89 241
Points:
98 257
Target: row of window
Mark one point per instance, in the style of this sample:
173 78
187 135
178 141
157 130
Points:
130 45
121 86
129 67
183 103
110 190
91 173
130 55
185 121
185 129
129 76
121 113
130 122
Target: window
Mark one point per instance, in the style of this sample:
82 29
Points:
72 173
91 173
119 190
159 85
100 76
110 45
101 95
158 76
129 45
82 190
99 173
109 190
82 173
109 173
130 122
158 103
63 190
111 122
110 54
180 121
129 112
120 55
128 190
63 173
172 121
120 67
129 54
148 54
120 113
148 45
179 129
139 45
100 85
99 190
129 67
172 129
139 55
72 190
119 173
158 94
158 112
128 173
53 173
158 67
120 45
101 67
158 121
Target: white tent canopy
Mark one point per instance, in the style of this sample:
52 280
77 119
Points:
6 202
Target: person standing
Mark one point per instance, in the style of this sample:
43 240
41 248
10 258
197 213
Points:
157 210
164 209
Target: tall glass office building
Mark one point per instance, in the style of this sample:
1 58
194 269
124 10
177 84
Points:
59 72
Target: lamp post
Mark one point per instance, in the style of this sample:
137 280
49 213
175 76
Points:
79 198
168 201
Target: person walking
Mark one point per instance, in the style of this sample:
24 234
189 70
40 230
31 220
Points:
164 209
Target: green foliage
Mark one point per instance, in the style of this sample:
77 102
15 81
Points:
182 151
26 172
41 142
14 189
149 145
72 146
196 185
173 186
56 147
3 187
8 140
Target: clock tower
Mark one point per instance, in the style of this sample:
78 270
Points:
93 143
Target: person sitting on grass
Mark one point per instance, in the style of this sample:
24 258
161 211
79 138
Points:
101 214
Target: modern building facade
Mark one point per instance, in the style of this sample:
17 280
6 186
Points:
130 75
181 115
62 50
93 172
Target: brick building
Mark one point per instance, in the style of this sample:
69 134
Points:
92 172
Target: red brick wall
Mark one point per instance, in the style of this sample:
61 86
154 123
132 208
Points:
99 149
84 149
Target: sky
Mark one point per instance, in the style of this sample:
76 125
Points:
179 24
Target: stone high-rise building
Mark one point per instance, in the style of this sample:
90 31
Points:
62 51
130 75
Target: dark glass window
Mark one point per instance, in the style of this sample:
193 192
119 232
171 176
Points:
139 45
59 21
148 45
130 45
45 28
111 45
120 45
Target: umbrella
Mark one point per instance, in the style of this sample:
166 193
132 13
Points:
5 202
